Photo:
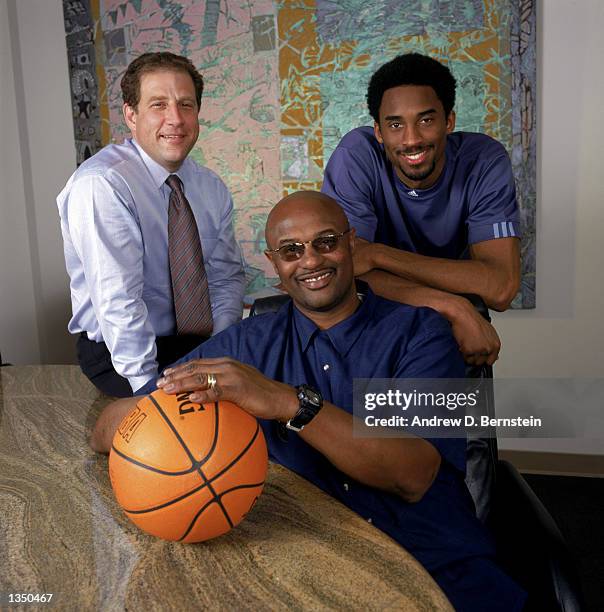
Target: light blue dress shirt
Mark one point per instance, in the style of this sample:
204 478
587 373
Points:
114 221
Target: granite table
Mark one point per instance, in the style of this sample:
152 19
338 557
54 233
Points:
62 533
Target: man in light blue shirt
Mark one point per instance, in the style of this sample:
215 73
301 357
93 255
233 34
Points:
114 220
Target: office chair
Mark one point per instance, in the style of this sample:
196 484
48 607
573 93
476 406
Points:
530 547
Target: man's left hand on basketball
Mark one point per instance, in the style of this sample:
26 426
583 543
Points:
235 382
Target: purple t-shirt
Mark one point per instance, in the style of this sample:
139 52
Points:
473 200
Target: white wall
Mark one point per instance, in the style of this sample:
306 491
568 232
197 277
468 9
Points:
18 322
37 157
562 337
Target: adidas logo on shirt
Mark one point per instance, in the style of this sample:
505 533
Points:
412 193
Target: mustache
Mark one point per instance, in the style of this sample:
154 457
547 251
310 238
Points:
414 150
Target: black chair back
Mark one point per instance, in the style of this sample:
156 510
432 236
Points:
271 303
482 452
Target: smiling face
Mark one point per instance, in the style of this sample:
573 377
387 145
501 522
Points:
165 122
413 129
321 284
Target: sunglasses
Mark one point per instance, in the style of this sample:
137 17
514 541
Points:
323 244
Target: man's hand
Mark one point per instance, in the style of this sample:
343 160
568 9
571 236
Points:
109 420
404 466
363 256
235 382
478 341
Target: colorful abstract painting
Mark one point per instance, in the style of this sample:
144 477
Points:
286 80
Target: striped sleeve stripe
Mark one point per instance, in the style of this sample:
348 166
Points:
503 229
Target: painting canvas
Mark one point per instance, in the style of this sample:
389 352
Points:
285 80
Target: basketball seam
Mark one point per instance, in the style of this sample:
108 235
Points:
197 465
206 481
201 472
190 454
164 416
219 502
150 468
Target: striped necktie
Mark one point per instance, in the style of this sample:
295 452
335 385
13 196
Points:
189 279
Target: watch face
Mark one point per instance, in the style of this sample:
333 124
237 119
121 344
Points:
310 404
312 396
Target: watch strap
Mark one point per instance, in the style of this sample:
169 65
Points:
310 402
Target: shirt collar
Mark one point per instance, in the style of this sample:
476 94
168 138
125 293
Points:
345 333
158 173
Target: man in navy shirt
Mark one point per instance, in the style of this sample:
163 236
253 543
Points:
296 367
435 210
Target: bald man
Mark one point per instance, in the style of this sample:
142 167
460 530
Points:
293 370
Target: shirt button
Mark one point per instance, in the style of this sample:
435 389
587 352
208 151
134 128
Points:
346 486
370 520
326 367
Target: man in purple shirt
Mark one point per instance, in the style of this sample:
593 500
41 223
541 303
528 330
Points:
434 210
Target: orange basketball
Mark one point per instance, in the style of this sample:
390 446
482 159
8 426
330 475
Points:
186 472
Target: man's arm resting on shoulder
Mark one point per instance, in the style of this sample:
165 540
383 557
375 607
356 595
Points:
477 339
404 466
493 273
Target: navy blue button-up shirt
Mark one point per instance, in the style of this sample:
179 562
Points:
382 339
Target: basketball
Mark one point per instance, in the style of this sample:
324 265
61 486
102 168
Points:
187 472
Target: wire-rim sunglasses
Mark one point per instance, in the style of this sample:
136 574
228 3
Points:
292 251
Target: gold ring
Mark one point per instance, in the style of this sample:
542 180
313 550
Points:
211 381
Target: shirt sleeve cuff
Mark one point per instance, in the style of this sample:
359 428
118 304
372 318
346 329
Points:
139 382
148 388
223 321
493 231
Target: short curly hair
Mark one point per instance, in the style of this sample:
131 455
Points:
150 62
411 69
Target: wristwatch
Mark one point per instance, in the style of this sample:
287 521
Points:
311 401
